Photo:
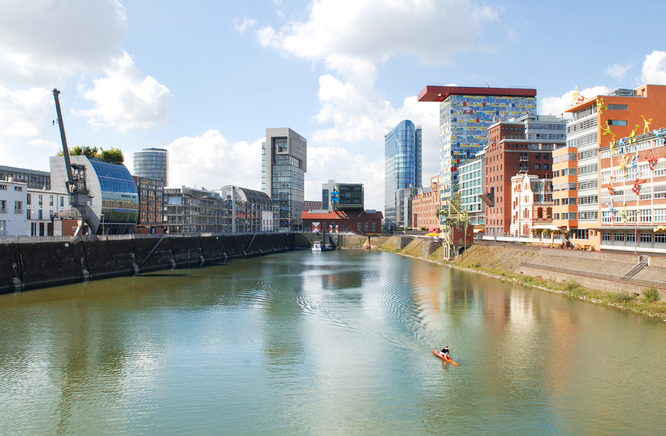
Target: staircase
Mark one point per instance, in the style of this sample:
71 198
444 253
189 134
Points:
635 270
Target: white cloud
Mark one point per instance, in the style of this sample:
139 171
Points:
618 71
43 143
556 105
24 112
654 68
44 41
210 160
244 25
126 99
378 29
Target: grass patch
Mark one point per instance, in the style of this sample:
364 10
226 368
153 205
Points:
477 265
651 295
621 297
571 285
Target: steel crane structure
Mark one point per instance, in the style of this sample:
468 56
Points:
452 216
79 194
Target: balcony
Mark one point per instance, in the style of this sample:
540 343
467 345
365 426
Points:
524 159
18 211
3 210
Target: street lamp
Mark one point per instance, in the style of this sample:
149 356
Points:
102 215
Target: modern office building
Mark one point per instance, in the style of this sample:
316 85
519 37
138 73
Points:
283 168
251 211
192 210
531 204
598 122
152 163
33 178
425 206
114 197
151 205
465 113
472 184
523 145
342 196
633 194
403 162
404 210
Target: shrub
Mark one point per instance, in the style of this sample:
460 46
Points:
651 295
622 297
477 265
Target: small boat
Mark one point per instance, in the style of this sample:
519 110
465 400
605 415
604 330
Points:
316 246
443 357
327 247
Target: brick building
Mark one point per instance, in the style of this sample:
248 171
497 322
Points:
363 223
425 206
518 146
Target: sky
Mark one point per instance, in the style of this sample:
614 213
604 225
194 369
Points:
204 79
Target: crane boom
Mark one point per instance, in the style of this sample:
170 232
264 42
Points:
77 188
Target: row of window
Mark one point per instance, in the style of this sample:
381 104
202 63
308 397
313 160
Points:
659 238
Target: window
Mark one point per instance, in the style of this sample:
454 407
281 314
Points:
545 166
537 167
50 200
18 188
606 236
40 200
646 237
62 201
631 237
617 107
660 238
646 215
617 122
28 199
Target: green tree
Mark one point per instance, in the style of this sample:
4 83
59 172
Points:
114 155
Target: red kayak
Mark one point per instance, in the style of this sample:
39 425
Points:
443 357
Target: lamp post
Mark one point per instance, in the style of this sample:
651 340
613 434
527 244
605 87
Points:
102 215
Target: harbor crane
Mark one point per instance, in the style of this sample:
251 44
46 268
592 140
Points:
77 188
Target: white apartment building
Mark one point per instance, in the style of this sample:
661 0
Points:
42 207
531 204
12 208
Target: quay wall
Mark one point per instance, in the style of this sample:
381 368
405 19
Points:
43 264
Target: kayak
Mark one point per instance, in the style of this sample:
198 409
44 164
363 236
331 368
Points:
443 357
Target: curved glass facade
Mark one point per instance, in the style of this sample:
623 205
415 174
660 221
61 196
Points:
403 151
120 199
152 163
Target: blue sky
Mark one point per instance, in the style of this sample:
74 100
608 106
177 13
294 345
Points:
204 79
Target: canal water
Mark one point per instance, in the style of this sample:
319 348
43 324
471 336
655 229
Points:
324 343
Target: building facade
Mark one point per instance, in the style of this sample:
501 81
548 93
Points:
283 168
152 163
34 179
342 196
465 114
425 206
115 200
517 146
403 163
151 205
12 207
598 122
565 197
472 184
192 210
531 204
312 205
251 211
42 209
633 194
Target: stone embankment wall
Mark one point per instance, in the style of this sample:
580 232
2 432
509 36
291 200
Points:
597 270
35 265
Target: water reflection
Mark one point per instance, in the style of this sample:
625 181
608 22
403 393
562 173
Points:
334 343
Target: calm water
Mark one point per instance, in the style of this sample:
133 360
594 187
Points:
325 343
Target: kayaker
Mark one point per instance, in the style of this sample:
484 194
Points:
445 351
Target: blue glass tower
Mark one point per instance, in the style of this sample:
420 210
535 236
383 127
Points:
402 153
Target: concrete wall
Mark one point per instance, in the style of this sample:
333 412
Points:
36 265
